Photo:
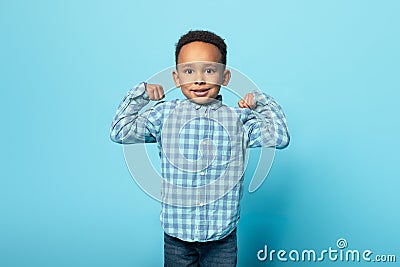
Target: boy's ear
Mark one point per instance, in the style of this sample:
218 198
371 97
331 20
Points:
176 78
226 78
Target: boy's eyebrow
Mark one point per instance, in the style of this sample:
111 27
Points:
183 65
203 65
211 65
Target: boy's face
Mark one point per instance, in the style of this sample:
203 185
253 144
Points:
199 73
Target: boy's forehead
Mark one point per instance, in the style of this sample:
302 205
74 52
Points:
201 64
199 51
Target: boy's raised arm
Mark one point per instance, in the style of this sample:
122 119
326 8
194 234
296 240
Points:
128 127
268 127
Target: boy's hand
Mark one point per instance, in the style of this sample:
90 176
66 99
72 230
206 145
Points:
155 91
247 102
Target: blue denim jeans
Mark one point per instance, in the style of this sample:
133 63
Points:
219 253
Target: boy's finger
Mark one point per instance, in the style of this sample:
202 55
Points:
156 95
246 98
161 93
242 104
150 92
155 91
250 100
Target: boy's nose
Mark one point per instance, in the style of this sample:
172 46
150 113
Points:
199 79
199 82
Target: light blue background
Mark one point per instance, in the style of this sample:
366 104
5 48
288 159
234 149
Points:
66 196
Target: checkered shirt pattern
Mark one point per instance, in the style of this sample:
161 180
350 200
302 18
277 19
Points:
202 150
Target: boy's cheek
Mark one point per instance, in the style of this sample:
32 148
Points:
186 91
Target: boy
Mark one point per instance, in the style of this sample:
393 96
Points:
202 146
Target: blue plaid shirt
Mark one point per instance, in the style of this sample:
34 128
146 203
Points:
202 150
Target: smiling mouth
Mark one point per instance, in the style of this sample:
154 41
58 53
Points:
200 92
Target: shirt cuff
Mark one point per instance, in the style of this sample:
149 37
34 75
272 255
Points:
263 99
139 90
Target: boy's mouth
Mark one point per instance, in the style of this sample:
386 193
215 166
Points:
200 92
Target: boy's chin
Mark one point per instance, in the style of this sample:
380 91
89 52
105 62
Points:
202 100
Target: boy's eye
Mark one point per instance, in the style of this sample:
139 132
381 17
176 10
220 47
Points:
188 71
209 71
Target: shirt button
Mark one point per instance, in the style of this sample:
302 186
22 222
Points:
202 173
201 204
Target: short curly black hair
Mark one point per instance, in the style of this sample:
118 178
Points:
202 36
